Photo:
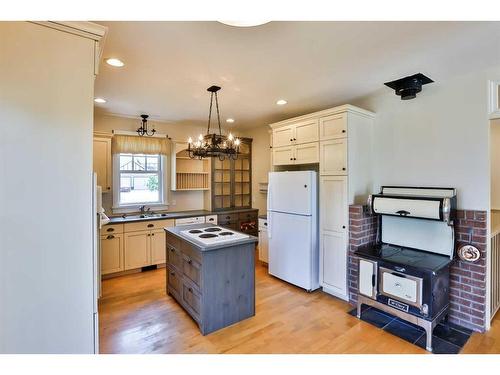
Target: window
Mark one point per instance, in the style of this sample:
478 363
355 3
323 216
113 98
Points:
140 180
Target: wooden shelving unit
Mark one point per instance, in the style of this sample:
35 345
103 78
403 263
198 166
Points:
188 174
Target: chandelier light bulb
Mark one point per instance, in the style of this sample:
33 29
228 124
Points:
230 137
237 142
200 137
190 140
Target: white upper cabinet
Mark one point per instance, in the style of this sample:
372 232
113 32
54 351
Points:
333 126
306 131
283 155
283 136
333 157
102 160
296 133
306 153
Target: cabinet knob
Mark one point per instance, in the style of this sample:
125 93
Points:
172 273
294 158
172 249
110 237
109 188
343 226
343 131
343 169
190 261
151 225
190 289
291 139
291 158
152 234
265 224
295 139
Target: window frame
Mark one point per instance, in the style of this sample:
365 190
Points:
162 204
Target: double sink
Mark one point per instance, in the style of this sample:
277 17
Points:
144 216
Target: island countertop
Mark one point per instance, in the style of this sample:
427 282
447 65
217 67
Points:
176 231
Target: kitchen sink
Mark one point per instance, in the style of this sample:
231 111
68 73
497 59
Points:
144 216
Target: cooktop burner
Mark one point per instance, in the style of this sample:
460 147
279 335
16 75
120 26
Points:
207 235
212 229
194 231
226 233
405 256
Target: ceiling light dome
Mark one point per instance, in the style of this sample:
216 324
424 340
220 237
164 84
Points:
115 62
244 23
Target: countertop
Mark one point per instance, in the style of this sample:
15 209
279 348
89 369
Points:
174 215
203 247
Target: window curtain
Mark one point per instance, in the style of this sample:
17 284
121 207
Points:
130 144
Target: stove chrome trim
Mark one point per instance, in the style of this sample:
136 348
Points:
419 281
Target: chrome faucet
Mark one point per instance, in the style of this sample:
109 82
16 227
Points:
143 209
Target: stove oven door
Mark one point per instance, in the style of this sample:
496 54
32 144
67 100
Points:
367 278
403 287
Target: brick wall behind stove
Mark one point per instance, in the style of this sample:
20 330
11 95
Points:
467 280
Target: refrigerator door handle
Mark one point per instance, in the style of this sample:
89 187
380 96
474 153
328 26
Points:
269 225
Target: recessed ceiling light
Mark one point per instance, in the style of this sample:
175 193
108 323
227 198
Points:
115 62
230 120
100 100
281 102
244 23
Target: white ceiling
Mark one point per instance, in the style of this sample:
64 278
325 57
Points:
313 65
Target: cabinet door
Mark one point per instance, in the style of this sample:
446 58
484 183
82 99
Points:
283 136
306 131
137 250
367 272
263 246
334 211
283 155
307 153
158 240
111 253
333 157
334 262
102 162
333 127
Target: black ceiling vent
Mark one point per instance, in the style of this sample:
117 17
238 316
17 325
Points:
408 87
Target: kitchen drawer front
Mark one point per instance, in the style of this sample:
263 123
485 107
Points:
191 269
174 280
248 216
227 218
148 225
112 229
190 251
229 224
192 299
174 257
173 241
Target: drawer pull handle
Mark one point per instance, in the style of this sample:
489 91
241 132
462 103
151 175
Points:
190 261
172 273
110 237
151 225
110 230
265 224
190 290
172 249
211 219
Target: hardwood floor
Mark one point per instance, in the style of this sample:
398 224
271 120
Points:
136 316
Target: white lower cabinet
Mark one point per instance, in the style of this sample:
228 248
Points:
334 235
137 249
263 241
158 238
334 263
112 253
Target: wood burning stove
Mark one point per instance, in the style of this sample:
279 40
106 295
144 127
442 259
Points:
406 273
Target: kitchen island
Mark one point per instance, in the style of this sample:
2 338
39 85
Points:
212 277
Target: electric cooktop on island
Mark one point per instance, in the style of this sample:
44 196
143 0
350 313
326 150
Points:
405 256
213 234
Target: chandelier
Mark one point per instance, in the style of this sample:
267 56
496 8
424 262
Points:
143 129
214 145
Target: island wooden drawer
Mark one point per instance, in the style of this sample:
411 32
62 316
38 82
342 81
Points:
230 225
191 298
174 257
173 241
112 229
248 216
190 251
191 269
148 225
227 218
174 280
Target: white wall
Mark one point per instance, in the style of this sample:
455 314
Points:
495 163
46 300
438 139
261 163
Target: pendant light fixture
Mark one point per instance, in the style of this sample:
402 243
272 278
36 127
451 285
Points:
214 145
143 129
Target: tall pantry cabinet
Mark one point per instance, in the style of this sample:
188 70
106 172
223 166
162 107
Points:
341 138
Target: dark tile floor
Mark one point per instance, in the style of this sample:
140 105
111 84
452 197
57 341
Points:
446 339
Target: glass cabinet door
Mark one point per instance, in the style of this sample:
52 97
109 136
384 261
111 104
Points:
232 182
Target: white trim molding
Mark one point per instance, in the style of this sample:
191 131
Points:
494 99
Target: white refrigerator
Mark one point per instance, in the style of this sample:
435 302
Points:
292 221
